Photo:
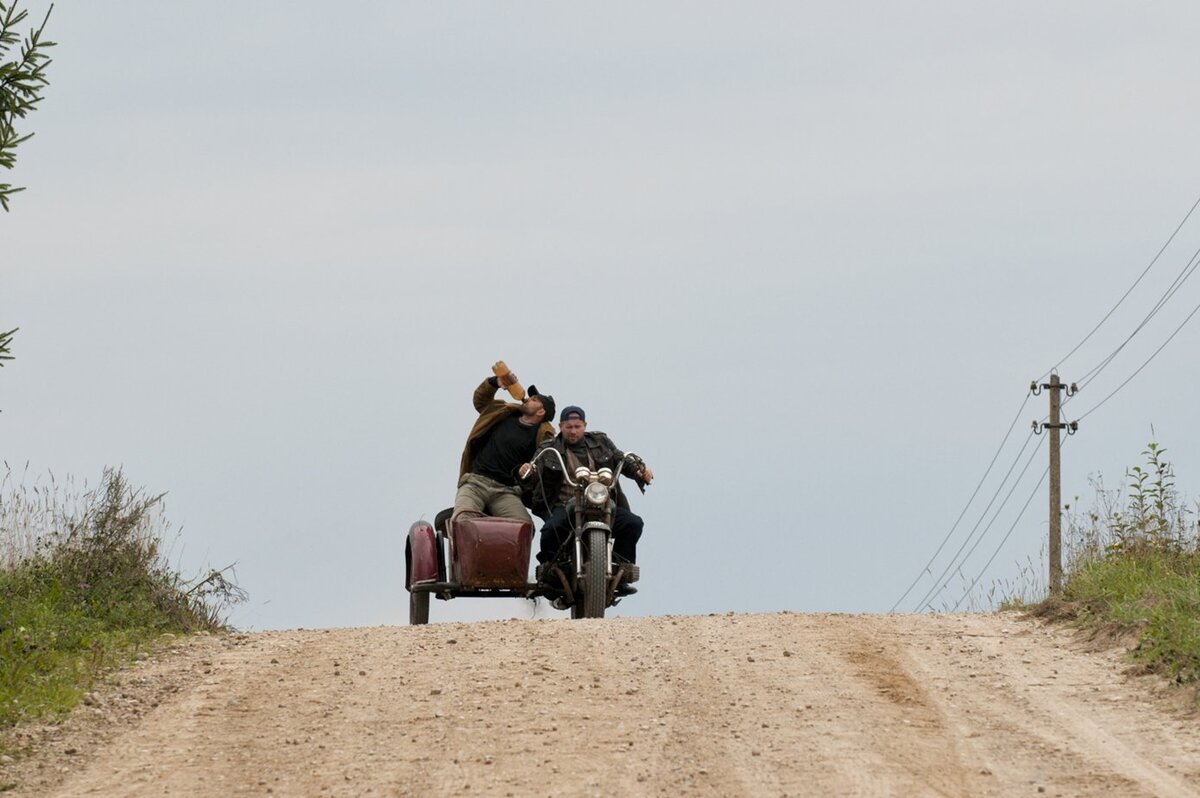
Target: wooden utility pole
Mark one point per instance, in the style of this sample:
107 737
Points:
1055 490
1054 425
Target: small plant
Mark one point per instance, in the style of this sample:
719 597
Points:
1152 515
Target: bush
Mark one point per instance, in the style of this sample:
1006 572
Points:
83 586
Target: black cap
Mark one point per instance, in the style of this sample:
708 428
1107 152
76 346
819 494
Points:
546 399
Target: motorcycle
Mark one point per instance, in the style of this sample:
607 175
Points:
585 577
482 556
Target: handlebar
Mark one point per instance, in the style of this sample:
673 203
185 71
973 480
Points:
562 464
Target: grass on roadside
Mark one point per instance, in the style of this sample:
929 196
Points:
1133 570
1154 593
84 586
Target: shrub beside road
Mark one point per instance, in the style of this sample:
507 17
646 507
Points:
1133 569
84 587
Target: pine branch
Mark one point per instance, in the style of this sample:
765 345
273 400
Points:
21 84
5 340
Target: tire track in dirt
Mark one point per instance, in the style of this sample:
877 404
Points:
916 739
1030 704
730 705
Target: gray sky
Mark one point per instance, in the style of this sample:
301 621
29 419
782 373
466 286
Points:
805 258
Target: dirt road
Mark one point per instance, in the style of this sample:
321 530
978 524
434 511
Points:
754 705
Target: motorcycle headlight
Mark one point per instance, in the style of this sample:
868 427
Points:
605 475
596 494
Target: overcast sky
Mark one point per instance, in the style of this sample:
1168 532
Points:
805 258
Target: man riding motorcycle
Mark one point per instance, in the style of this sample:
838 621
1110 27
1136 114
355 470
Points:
593 450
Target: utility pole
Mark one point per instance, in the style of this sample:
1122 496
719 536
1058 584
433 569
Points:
1054 425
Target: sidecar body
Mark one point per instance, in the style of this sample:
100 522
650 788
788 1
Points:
473 555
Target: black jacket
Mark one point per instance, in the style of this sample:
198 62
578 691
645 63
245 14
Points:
604 452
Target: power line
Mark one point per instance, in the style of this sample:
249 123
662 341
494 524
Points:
1191 267
1185 274
1124 296
1004 540
1139 368
929 599
975 493
1188 270
933 591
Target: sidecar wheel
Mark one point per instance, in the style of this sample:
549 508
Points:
418 608
595 590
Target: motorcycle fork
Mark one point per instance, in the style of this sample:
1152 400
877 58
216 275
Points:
578 534
610 539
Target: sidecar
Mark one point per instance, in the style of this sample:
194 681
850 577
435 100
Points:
476 556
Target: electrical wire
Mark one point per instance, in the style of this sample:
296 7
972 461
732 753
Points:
1007 534
1188 270
934 590
1125 296
1099 404
929 597
966 506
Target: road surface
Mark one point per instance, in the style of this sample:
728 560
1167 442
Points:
727 705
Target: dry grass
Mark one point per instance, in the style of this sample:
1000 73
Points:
84 584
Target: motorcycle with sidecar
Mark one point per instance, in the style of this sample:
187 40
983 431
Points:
484 556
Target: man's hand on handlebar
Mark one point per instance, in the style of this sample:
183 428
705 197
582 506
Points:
525 470
646 474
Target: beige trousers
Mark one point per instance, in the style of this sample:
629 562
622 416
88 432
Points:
480 494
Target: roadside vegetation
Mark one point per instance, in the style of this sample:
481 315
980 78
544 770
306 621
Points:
85 586
1132 569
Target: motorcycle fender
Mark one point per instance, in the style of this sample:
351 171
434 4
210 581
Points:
420 555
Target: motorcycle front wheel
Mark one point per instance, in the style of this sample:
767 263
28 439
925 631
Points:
595 588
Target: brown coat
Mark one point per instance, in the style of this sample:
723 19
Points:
491 411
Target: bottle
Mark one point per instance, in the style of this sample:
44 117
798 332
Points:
501 370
